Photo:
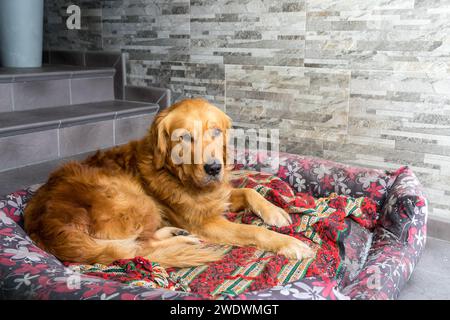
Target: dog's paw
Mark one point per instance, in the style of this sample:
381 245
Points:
169 232
180 232
275 216
296 249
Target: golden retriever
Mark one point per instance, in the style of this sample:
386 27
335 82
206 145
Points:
136 200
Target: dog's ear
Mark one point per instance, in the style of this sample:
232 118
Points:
159 138
227 123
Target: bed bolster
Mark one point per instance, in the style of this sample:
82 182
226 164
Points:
405 207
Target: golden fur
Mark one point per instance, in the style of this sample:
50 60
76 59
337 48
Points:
133 200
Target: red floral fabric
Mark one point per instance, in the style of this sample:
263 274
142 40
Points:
321 223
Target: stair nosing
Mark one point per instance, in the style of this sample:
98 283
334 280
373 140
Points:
56 75
61 122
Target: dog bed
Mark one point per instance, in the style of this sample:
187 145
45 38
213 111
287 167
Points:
368 226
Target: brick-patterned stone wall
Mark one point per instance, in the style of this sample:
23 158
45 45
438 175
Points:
364 82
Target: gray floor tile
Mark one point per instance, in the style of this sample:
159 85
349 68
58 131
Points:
425 285
436 257
431 278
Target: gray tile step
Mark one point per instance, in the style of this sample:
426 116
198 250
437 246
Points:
16 122
52 72
16 179
33 137
54 85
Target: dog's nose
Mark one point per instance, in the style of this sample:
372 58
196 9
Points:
213 169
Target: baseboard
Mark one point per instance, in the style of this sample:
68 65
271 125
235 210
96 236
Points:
439 229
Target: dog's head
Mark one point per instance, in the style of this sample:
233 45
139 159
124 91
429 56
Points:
189 139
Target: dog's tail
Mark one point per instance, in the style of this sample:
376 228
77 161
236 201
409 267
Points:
73 245
177 254
185 255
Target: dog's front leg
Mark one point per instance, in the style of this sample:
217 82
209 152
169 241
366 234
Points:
221 231
246 198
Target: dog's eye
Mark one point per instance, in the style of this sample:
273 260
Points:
216 132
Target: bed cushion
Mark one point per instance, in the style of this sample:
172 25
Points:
325 224
375 264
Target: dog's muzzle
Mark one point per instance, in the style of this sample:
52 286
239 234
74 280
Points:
213 169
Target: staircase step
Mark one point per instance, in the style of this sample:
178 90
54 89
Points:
16 179
52 72
53 85
34 136
15 122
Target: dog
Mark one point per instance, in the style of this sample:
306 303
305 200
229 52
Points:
136 200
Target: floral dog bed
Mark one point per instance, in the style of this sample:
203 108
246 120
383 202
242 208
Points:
368 227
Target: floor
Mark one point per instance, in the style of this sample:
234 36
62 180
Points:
431 278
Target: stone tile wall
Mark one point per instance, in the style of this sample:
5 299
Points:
364 82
